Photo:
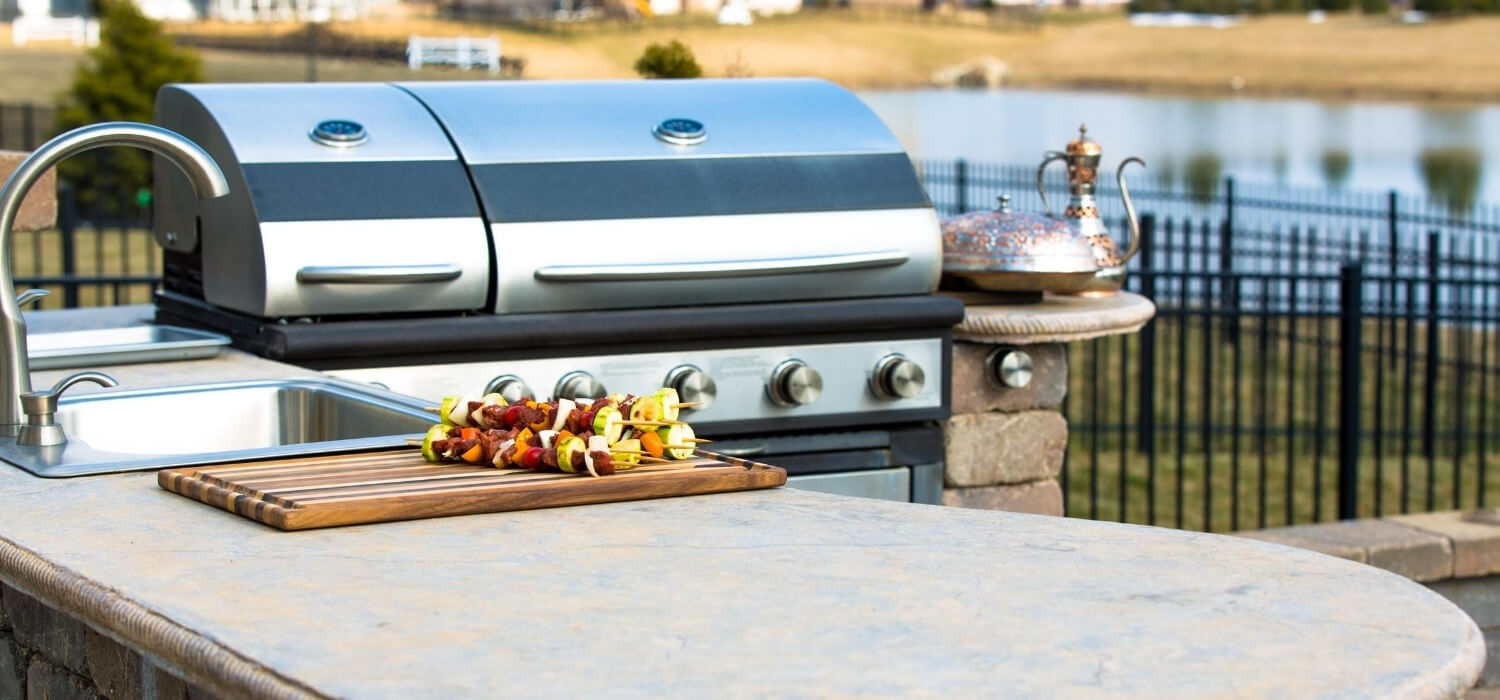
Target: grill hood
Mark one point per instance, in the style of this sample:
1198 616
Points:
523 197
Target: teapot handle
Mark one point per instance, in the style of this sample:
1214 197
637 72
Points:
1047 158
1135 225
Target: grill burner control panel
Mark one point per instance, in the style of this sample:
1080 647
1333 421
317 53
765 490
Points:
740 384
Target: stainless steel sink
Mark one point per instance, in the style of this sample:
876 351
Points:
115 431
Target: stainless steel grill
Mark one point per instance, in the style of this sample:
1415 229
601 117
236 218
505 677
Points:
764 245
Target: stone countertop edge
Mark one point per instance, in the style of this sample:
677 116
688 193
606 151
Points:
1056 319
171 646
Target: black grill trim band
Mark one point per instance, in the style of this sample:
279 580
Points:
360 190
635 189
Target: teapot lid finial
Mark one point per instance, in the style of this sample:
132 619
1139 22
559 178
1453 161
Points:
1083 145
1004 204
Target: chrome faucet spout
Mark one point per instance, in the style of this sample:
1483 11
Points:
201 170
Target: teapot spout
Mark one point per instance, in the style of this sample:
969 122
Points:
1135 224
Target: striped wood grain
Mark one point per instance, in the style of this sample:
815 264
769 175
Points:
371 487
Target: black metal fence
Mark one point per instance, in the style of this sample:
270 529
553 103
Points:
25 126
92 258
1314 356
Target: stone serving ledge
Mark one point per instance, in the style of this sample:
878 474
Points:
1055 319
1004 446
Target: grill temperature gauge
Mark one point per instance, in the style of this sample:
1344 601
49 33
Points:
339 133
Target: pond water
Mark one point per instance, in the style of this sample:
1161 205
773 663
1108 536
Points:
1448 153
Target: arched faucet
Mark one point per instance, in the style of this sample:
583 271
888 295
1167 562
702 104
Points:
201 170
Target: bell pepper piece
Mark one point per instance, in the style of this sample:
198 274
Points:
651 443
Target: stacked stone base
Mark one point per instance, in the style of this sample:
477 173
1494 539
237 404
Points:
1004 446
47 655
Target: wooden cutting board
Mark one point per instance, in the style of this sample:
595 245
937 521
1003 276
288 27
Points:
386 485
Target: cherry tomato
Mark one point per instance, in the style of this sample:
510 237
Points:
513 414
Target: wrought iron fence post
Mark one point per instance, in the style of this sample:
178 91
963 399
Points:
961 184
67 225
1429 386
1389 291
1145 424
1229 288
1351 282
28 126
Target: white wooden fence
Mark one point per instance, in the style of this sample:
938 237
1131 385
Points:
81 31
463 52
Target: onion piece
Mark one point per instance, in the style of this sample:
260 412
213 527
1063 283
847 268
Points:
460 413
564 407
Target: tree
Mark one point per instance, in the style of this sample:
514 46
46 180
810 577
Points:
671 60
118 82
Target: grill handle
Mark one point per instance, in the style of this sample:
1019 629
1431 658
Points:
717 269
751 451
377 274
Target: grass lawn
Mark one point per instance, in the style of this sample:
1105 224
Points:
1345 57
1278 388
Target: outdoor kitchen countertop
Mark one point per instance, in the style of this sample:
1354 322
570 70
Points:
778 592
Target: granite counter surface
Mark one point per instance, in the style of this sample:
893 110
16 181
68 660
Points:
780 592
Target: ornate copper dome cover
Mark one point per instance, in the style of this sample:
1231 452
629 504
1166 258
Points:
1005 251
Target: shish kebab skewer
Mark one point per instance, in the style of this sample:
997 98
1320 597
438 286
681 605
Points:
597 437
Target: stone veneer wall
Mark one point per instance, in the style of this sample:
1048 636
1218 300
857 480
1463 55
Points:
1004 447
39 209
47 655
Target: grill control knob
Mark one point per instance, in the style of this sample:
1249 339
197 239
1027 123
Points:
693 385
579 385
510 387
896 377
793 383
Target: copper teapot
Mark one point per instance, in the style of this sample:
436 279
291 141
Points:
1082 213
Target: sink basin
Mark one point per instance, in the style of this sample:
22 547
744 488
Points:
115 431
